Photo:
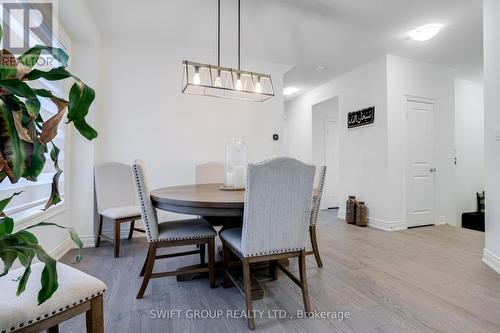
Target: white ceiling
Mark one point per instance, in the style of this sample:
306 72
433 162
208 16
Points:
339 34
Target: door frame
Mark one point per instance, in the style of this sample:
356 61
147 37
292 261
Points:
427 100
325 124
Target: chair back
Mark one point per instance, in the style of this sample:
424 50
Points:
114 186
148 211
319 184
210 173
277 206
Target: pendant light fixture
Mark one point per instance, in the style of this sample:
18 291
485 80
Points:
225 82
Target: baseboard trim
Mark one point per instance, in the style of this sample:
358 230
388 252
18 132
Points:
62 249
386 225
491 260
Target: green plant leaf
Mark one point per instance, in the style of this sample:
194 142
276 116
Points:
6 201
85 129
21 286
25 237
55 74
18 87
55 197
6 225
33 107
8 257
80 98
37 162
16 152
30 57
49 277
8 65
74 236
48 94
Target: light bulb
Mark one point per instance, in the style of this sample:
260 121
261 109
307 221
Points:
196 77
238 82
258 86
218 82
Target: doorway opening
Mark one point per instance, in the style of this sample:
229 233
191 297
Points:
326 148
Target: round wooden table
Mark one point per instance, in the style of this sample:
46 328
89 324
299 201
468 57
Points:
202 200
209 201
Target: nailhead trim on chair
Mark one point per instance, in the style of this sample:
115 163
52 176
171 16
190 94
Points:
273 252
317 200
143 207
146 219
183 238
47 315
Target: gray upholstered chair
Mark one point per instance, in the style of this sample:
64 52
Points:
319 184
275 222
171 233
210 173
116 200
78 292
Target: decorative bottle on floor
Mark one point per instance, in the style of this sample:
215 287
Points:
361 214
350 215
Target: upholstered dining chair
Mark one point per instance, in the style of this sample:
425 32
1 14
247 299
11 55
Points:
275 221
210 173
116 200
172 233
319 184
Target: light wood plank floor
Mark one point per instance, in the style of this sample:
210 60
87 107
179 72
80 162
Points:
419 280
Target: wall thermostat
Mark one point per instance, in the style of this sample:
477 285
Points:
276 137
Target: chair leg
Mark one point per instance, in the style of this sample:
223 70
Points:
225 259
149 270
131 231
143 270
211 262
98 241
117 238
303 281
95 316
273 272
248 293
314 243
202 253
53 329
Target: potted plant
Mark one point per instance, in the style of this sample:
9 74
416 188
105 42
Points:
25 138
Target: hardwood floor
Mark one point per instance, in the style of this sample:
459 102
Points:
419 280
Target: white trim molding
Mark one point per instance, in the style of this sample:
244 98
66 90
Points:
491 260
386 225
62 249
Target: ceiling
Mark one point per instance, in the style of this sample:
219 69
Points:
338 34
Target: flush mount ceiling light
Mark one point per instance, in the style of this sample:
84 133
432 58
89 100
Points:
320 68
425 32
225 82
287 91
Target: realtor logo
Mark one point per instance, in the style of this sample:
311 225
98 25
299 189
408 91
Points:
27 23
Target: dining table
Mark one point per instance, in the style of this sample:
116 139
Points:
218 205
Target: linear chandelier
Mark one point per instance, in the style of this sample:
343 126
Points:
225 82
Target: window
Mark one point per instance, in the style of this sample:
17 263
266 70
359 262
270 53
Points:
36 194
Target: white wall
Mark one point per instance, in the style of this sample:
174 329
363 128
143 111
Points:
409 77
373 158
469 143
144 115
362 172
491 9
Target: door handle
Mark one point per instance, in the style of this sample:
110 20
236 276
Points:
432 170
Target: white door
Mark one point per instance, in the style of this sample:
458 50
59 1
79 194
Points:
420 169
331 193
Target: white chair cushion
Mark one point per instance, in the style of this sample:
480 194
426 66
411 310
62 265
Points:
75 287
185 229
121 212
233 237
